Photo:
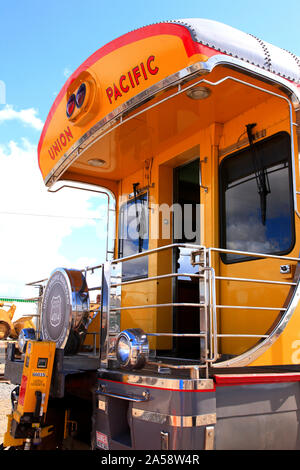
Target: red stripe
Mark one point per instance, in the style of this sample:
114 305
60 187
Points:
232 380
23 390
161 388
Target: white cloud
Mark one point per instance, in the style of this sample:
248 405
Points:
30 245
26 116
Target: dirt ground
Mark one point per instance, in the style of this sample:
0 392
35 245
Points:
5 391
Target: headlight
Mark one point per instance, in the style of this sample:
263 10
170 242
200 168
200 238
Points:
132 348
80 95
25 335
71 105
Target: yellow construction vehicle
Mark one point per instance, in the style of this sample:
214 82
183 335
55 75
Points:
10 328
6 326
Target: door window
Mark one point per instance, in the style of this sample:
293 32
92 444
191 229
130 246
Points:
256 199
134 237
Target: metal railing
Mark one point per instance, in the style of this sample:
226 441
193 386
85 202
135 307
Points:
112 304
215 334
204 307
113 282
208 306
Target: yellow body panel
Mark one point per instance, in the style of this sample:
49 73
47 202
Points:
168 55
169 131
272 116
286 349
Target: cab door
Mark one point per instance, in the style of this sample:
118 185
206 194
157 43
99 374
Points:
186 229
256 216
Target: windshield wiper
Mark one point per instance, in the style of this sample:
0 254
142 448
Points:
261 175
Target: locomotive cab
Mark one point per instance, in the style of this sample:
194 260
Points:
191 127
205 176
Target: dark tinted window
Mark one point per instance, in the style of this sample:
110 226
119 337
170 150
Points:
256 199
134 236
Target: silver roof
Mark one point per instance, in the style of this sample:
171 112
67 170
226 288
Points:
244 46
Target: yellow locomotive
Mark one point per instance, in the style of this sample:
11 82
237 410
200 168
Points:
191 128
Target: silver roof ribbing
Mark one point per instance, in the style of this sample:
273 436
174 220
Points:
236 43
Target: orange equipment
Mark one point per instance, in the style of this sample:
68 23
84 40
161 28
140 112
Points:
6 326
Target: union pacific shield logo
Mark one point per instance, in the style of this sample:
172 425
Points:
56 311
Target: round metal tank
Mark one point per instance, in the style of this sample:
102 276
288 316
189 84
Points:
65 309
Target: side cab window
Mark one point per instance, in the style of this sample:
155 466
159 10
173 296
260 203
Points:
134 236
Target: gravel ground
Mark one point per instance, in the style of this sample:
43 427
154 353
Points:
5 390
5 407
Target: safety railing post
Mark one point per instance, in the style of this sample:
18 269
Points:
105 308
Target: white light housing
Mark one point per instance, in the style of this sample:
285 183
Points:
96 162
132 348
198 93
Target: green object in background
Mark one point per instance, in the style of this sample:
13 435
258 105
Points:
2 299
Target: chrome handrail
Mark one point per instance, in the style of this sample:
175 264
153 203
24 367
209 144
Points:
253 254
157 250
207 275
263 281
155 278
208 304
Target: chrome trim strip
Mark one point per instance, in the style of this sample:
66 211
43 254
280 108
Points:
225 335
152 381
253 253
107 122
263 281
134 307
105 309
173 420
132 398
264 75
245 307
157 250
103 127
155 278
111 208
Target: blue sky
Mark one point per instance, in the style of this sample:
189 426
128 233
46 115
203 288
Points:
41 43
40 40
